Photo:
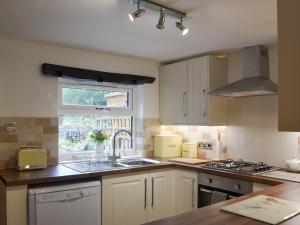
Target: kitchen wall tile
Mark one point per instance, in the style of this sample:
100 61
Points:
8 138
50 130
149 154
40 132
38 144
53 121
43 122
3 130
7 154
8 146
189 134
3 163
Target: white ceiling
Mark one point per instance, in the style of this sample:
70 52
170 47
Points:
104 25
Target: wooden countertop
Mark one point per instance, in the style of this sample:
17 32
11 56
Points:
60 173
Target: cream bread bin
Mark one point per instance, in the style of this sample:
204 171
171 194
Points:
167 146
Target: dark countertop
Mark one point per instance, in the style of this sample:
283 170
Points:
60 173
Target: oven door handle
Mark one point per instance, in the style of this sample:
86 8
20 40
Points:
205 190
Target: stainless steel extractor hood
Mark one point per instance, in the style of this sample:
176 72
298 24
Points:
256 80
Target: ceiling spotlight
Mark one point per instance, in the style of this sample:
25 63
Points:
181 27
161 20
138 13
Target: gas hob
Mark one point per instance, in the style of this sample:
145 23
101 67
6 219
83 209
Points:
240 166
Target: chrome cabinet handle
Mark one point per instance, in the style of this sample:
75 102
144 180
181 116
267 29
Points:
203 106
193 190
145 205
205 190
152 200
183 102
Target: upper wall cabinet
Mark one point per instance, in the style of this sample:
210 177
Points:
173 93
289 65
183 92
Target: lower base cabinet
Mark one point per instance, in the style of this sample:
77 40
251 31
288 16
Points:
186 191
161 195
13 205
124 200
137 199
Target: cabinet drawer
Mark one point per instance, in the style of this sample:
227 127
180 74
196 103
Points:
225 183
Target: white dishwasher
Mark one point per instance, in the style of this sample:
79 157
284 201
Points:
71 204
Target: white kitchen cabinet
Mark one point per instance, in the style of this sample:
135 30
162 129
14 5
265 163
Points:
13 205
137 199
186 191
124 200
161 200
173 93
184 88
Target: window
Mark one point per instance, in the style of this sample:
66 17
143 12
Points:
85 107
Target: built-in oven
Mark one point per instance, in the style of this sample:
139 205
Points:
213 189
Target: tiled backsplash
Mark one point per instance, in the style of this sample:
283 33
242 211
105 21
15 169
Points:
17 132
189 134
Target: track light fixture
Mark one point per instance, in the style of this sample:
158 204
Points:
161 20
164 11
181 27
138 13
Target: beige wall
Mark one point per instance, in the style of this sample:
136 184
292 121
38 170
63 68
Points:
25 92
252 133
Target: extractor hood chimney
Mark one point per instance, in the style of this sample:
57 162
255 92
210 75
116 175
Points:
256 79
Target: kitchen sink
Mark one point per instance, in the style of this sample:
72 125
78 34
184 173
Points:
85 167
138 162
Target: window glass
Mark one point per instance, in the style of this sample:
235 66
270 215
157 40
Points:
94 97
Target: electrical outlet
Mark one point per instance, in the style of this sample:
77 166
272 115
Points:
11 126
205 145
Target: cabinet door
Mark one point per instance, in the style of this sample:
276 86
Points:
124 200
161 195
288 65
197 90
186 191
173 93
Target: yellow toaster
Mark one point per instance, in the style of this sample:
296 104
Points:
30 158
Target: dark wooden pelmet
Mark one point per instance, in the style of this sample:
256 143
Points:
93 75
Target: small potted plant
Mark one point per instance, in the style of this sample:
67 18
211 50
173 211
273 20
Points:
99 136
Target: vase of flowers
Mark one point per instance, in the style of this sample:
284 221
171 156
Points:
99 136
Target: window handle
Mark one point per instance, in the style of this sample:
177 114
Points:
102 108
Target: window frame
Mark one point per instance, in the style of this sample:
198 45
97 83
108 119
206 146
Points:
131 110
94 110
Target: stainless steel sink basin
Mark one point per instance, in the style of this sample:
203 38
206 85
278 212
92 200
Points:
137 162
85 167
